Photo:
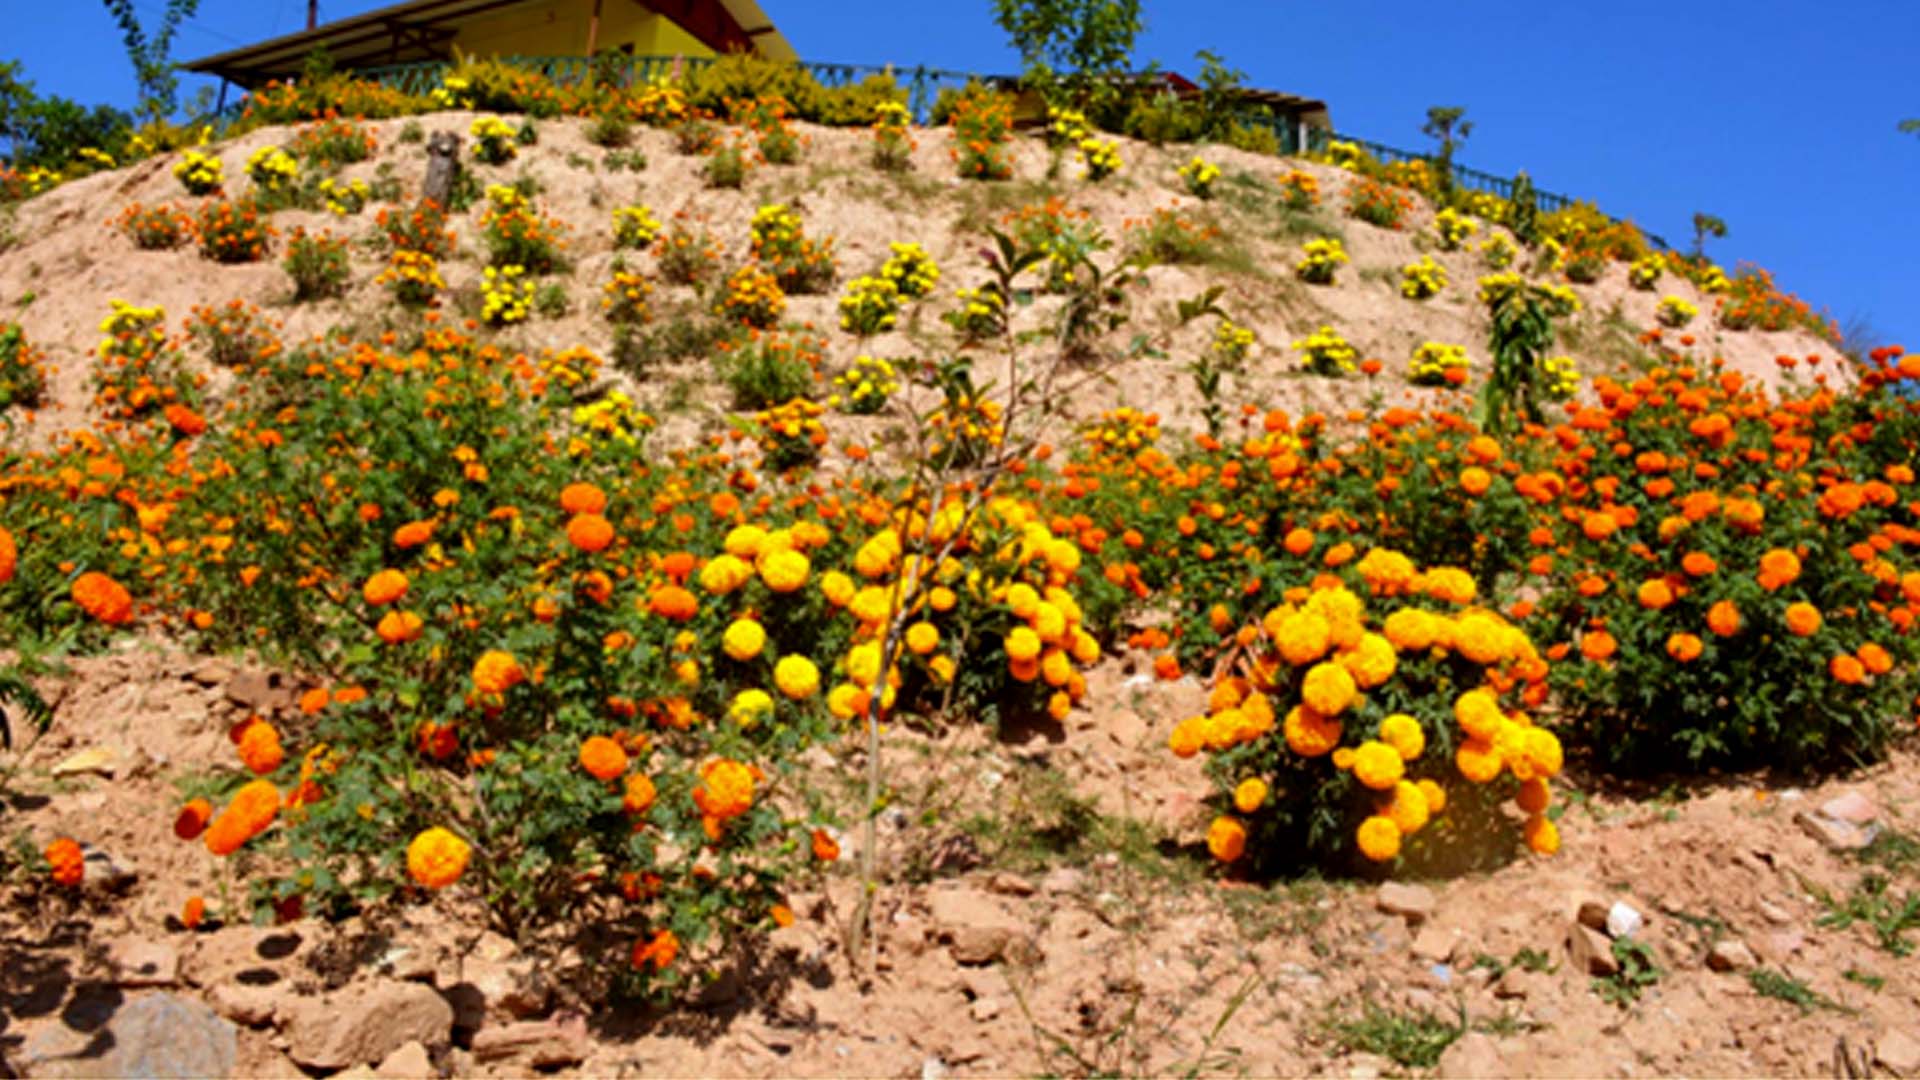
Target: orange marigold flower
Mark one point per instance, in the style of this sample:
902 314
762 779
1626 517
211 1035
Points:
1803 619
825 847
1656 595
1698 564
1875 659
1226 839
260 748
660 951
1543 836
9 556
725 789
103 598
436 858
582 498
1379 838
496 672
1777 568
192 819
385 587
589 532
1848 669
1723 618
638 796
252 809
314 700
603 758
193 912
69 863
1684 647
675 603
398 627
1599 526
1598 645
413 534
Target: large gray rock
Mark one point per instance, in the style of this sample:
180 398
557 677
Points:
363 1024
155 1035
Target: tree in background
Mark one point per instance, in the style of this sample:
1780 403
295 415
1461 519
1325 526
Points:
152 57
1705 225
47 132
1071 48
1448 126
1911 126
1523 210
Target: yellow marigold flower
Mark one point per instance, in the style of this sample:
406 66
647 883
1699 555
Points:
750 707
942 598
1450 583
1803 619
1022 644
837 587
1478 712
1543 836
744 639
1480 637
863 663
1056 667
1435 795
1379 838
942 669
1328 689
1085 647
1049 622
1544 752
1022 599
1310 734
1386 571
436 858
724 574
1377 765
1187 737
1477 760
1410 630
785 571
1223 729
1371 662
872 605
1304 637
1226 839
1344 613
1408 809
1404 734
797 677
1249 795
744 541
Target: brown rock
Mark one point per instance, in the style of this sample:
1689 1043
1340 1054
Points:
1731 955
1591 911
1834 834
1411 902
410 1062
976 928
1591 951
1435 945
148 1035
254 1006
144 963
366 1023
1518 982
1899 1051
1011 885
1472 1056
497 981
538 1044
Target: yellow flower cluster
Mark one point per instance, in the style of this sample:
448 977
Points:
912 271
198 173
130 330
1453 228
623 298
1320 257
1645 271
1498 251
614 418
506 199
1325 352
1067 127
1432 361
865 386
1343 154
791 434
1304 683
506 297
979 315
1422 280
1674 311
1561 378
493 140
413 275
1124 431
1100 157
1231 344
272 168
634 227
343 199
1199 175
870 305
966 428
453 93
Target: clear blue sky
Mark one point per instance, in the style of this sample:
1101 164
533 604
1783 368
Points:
1779 117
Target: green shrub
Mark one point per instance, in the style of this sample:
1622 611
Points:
773 370
317 263
21 379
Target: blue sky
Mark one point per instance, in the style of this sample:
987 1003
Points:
1779 117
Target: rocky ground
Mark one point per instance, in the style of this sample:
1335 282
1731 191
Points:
1049 911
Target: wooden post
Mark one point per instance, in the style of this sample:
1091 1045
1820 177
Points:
593 38
313 13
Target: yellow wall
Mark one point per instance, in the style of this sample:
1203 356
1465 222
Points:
559 28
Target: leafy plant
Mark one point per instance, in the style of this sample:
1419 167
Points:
1413 1039
1783 987
1639 972
317 263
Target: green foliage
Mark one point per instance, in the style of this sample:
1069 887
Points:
726 167
1162 117
767 372
1518 339
1071 48
1639 972
1523 210
151 56
50 132
1448 127
610 130
1873 905
21 379
1706 225
1783 987
317 263
1414 1039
